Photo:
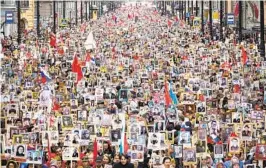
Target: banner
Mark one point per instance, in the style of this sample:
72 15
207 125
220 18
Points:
215 16
94 15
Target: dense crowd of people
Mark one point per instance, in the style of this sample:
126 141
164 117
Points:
133 88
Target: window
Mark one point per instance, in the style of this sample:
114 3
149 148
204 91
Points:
24 4
7 2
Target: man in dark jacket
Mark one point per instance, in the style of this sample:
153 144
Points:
124 163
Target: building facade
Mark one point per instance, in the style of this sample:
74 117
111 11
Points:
27 14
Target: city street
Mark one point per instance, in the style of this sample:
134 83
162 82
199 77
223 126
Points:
126 84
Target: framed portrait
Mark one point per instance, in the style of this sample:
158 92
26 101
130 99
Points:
250 166
74 153
234 145
150 128
202 134
135 128
201 107
257 115
260 152
115 135
123 95
13 131
226 132
201 148
247 131
82 115
67 122
157 160
184 137
178 149
154 141
17 139
134 136
189 155
169 137
189 109
236 117
67 153
13 110
25 138
20 151
91 128
159 126
218 151
74 104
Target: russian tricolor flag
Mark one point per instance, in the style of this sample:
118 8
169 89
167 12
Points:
123 146
92 61
45 76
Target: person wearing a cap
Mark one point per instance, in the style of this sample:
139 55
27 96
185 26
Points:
99 162
85 162
246 131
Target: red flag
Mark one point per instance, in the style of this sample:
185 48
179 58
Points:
126 145
244 56
167 95
95 150
236 10
169 23
56 106
176 19
52 40
255 9
77 68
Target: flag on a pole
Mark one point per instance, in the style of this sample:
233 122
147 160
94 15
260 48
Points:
95 151
53 40
169 23
244 56
45 76
173 95
167 95
77 68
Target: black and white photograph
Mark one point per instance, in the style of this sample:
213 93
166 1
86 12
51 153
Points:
184 137
67 122
159 126
91 129
201 107
178 151
115 135
20 150
218 151
85 134
154 141
189 155
82 115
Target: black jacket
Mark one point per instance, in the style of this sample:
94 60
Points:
119 165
